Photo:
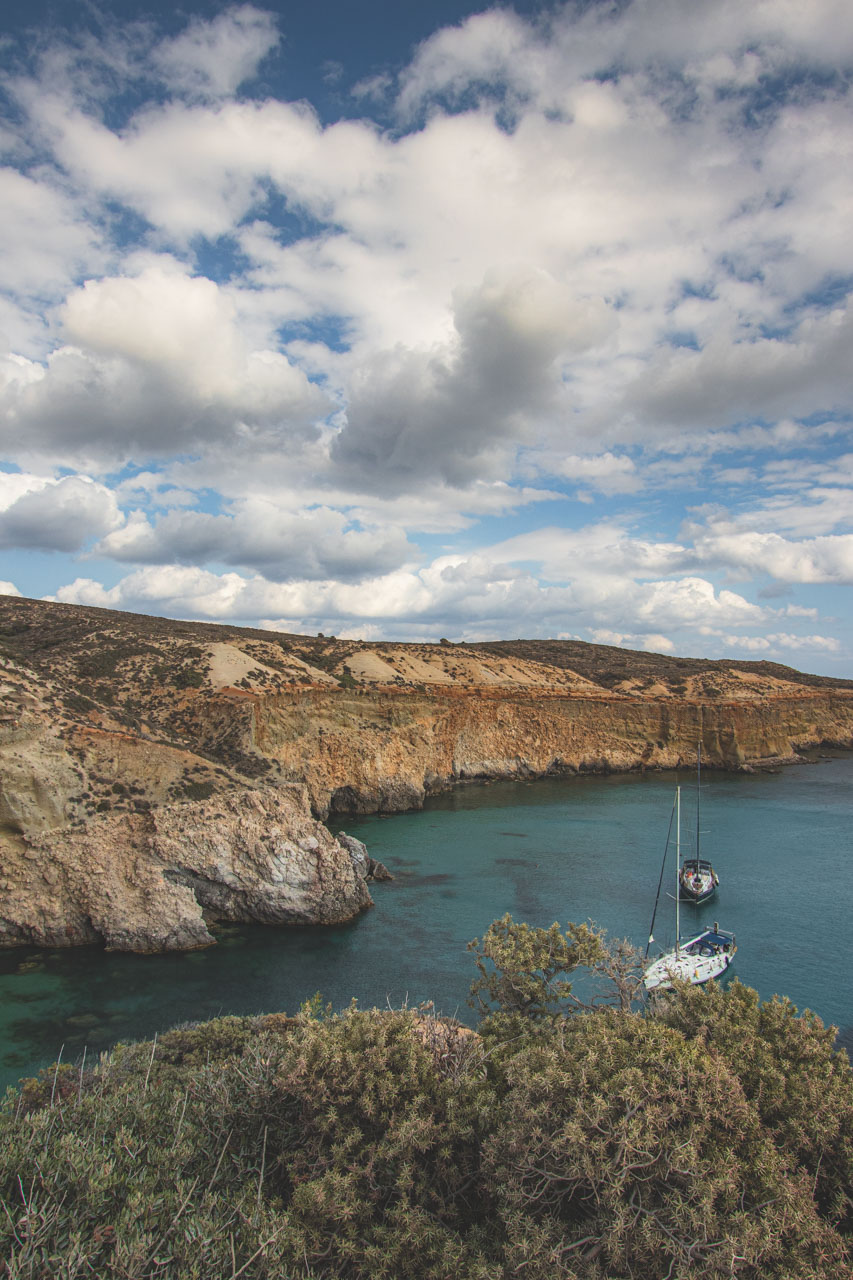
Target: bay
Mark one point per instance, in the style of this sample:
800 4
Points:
553 849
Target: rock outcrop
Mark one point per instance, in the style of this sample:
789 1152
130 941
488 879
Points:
155 775
153 881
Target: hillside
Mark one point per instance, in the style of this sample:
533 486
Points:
190 763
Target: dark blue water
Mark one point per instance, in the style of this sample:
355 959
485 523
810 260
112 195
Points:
575 849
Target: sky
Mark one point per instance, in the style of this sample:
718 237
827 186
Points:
404 321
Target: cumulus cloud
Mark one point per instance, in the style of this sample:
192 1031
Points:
455 411
213 58
725 45
180 592
283 545
693 601
54 515
606 473
650 643
46 240
601 550
776 643
156 364
470 597
187 169
751 552
725 383
603 258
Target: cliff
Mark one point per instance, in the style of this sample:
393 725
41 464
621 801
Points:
157 774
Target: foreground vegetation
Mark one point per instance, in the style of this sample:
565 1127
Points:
712 1137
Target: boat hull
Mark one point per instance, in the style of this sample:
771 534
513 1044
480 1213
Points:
697 881
707 956
690 895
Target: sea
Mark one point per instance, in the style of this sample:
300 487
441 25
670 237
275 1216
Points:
557 849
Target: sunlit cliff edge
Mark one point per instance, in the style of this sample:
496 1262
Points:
158 775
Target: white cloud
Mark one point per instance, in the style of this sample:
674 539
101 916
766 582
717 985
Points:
600 551
798 611
183 592
723 45
187 169
649 642
727 382
611 256
9 589
616 199
284 545
215 57
605 473
694 601
751 552
54 515
784 640
775 643
456 411
186 328
159 365
470 596
46 241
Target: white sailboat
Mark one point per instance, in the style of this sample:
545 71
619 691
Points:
696 959
697 879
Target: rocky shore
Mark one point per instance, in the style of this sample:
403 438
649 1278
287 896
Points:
154 881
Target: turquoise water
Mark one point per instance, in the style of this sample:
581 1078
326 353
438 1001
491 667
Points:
574 849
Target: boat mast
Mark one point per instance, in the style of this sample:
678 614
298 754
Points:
677 867
660 881
698 791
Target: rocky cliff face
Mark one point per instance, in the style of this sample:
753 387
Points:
388 751
155 775
153 881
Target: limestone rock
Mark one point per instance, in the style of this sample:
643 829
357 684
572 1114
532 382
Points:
357 852
152 881
368 868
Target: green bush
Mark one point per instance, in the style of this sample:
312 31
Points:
785 1064
188 678
199 790
624 1150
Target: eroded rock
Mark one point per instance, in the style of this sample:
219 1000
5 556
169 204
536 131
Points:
152 881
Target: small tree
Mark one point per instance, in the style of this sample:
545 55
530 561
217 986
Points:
621 968
523 971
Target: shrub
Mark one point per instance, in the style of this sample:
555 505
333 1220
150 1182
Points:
788 1068
624 1150
188 678
203 790
710 1140
522 971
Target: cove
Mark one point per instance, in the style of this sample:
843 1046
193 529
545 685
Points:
554 849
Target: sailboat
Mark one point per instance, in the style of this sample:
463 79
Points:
697 879
695 959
